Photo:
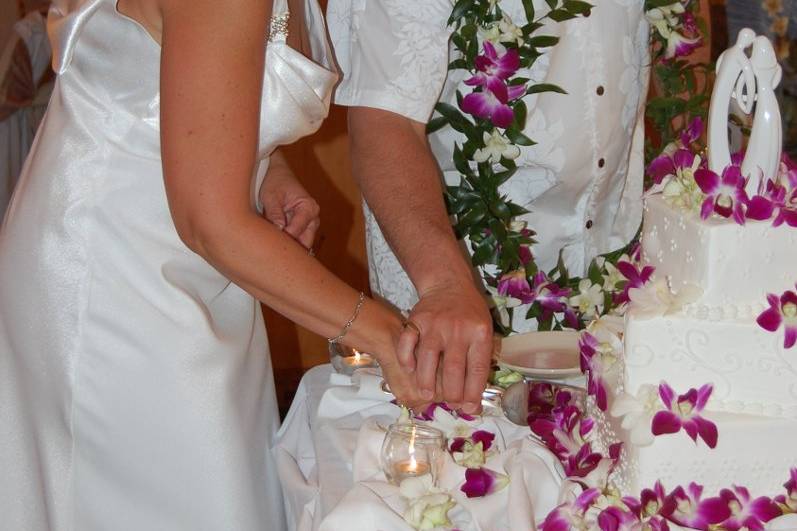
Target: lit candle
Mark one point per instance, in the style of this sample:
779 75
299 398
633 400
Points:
359 360
411 467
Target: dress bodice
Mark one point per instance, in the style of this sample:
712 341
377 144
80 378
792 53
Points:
117 61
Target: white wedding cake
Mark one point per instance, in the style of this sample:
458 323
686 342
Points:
713 340
725 264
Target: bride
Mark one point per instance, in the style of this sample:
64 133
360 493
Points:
135 386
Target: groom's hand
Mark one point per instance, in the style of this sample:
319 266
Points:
456 341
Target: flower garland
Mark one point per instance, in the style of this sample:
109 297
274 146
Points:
493 49
558 417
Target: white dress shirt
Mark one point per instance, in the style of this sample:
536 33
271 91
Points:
582 181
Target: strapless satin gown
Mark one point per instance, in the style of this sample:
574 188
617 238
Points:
136 390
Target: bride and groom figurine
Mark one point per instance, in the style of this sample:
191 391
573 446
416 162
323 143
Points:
747 75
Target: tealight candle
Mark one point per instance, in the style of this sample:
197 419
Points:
346 360
360 359
410 468
411 450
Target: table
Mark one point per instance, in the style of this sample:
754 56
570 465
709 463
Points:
330 438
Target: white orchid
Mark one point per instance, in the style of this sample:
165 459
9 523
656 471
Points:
496 146
656 299
428 505
510 32
612 277
451 425
664 18
637 412
471 455
501 303
589 299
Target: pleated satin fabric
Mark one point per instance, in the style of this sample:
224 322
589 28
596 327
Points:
136 390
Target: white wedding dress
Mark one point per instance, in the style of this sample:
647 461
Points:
136 390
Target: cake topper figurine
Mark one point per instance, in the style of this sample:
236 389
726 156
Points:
747 79
763 150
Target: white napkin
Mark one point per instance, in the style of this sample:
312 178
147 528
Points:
533 491
350 394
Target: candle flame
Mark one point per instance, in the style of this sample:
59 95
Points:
356 356
413 463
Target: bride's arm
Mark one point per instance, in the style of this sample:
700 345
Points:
211 78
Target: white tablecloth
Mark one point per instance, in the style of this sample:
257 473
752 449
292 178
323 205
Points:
330 437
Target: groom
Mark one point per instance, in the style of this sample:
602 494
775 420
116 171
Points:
582 181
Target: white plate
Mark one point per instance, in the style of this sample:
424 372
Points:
551 355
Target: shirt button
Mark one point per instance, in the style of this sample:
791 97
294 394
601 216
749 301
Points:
600 90
601 163
589 223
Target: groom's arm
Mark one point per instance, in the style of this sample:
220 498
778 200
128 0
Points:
400 180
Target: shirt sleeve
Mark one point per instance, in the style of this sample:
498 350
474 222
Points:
393 54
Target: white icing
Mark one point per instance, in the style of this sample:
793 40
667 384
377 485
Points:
752 451
747 365
735 265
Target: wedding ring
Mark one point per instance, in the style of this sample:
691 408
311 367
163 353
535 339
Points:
311 251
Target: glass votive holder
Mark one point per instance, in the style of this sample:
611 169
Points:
346 360
411 450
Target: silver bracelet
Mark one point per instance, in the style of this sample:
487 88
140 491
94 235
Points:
350 322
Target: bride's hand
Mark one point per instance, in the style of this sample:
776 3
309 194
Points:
287 204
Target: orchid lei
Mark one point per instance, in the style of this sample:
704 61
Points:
682 87
558 419
494 51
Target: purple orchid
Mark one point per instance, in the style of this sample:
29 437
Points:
686 508
615 518
679 45
666 164
725 195
553 299
746 512
492 102
683 412
652 500
775 199
582 463
515 284
593 366
692 132
789 501
592 469
636 278
490 65
484 437
545 400
782 311
565 433
481 482
571 514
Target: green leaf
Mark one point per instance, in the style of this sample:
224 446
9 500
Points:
577 6
543 41
518 138
528 7
560 15
460 9
435 124
552 3
484 252
520 115
545 87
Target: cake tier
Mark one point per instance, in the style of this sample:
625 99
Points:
750 370
735 266
752 451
